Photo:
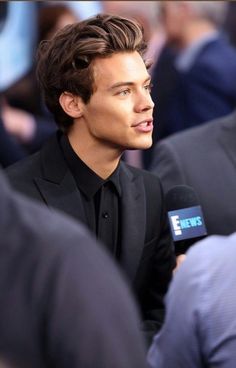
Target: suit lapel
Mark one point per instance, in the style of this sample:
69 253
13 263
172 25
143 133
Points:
57 185
133 220
58 189
227 137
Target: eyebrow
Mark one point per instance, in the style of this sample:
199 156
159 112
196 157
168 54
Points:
121 84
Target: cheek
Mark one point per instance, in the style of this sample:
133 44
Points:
114 114
107 116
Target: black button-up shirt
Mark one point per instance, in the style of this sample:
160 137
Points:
100 198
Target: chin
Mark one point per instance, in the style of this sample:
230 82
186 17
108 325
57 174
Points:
142 147
145 144
138 144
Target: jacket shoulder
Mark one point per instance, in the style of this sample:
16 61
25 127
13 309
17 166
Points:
21 174
24 168
197 135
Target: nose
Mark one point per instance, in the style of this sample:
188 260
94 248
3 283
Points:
144 102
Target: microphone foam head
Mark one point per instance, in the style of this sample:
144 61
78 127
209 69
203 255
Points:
181 196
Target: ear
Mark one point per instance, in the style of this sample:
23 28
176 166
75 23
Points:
71 104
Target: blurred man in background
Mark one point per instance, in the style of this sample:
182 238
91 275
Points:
63 302
200 325
194 76
204 158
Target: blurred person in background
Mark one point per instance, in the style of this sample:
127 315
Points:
198 67
82 9
63 302
24 115
10 151
229 25
52 18
17 46
203 157
12 66
200 325
146 13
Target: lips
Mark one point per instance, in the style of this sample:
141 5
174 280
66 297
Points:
144 123
143 127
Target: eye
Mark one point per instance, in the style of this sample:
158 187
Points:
125 92
148 87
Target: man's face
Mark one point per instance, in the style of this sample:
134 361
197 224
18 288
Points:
119 113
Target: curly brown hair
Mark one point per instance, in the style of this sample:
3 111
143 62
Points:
65 61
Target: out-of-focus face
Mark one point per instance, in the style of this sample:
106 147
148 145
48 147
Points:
119 113
173 18
65 19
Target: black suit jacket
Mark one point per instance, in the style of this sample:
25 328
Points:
58 307
147 251
204 158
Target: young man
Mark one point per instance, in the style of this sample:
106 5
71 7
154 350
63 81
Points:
96 84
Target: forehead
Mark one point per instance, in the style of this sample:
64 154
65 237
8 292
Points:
120 67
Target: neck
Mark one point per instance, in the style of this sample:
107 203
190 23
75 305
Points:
101 159
195 31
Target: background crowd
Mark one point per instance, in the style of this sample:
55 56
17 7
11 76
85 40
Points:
185 95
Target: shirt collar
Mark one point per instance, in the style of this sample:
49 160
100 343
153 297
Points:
187 57
86 179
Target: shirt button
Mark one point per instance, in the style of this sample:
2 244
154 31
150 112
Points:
105 215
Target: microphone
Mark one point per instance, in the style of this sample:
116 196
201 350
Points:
185 217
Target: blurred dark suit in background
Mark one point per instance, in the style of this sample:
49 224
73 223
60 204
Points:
205 158
63 302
